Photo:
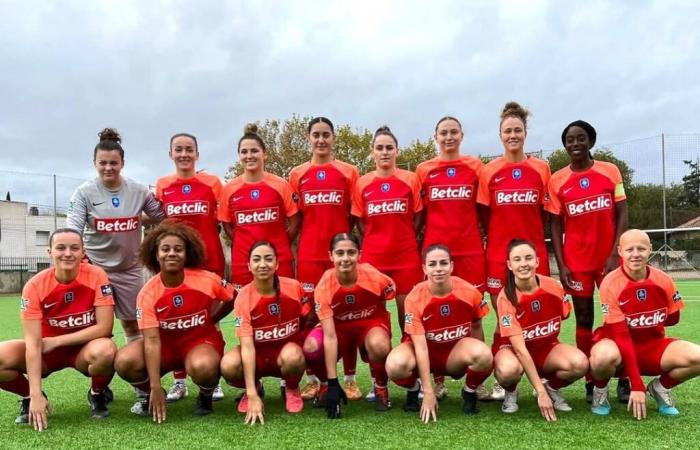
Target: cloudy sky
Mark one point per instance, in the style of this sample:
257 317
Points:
154 68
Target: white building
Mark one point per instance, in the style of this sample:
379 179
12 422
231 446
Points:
24 231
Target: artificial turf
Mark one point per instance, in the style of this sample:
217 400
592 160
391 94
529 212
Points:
70 425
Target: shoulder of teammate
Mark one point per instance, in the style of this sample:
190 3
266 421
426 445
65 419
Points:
541 167
285 191
96 279
296 173
211 180
425 168
416 300
554 287
34 292
151 206
466 292
348 170
163 183
554 186
223 212
372 279
474 163
210 284
358 200
483 195
508 323
609 292
247 299
146 303
323 294
292 288
412 181
673 295
76 219
612 172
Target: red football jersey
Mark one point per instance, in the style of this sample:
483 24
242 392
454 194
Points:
65 308
644 305
387 206
449 190
257 211
515 193
194 201
538 315
271 321
365 300
444 320
324 195
182 313
586 203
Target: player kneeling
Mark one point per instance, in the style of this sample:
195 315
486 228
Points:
269 312
351 306
638 302
530 310
441 315
67 314
177 311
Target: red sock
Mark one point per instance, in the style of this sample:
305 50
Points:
378 372
180 374
144 385
474 378
557 383
510 388
350 360
439 379
600 384
19 386
206 390
668 382
100 382
292 381
409 382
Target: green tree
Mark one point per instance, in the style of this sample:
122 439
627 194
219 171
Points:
559 159
690 196
416 153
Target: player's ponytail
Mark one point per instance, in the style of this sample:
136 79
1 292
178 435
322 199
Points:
250 131
510 288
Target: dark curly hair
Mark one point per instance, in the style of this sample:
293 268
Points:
195 252
109 140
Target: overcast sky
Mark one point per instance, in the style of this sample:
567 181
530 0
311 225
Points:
154 68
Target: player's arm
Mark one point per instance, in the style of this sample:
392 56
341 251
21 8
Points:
330 347
429 406
621 225
220 310
104 321
293 226
361 225
477 330
151 351
228 229
153 210
484 217
38 405
546 408
418 221
558 245
77 213
255 404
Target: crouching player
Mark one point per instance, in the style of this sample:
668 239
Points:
67 314
351 306
638 302
530 310
270 314
442 313
177 311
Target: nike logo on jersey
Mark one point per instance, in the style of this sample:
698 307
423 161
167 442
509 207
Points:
160 310
257 317
498 179
368 193
520 316
168 192
235 199
433 175
427 317
303 180
49 305
478 285
624 303
97 204
567 190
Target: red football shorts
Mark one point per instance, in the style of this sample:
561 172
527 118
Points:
584 283
538 352
648 352
173 354
60 358
405 279
351 334
309 273
471 268
496 274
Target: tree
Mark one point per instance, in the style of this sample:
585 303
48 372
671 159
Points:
690 196
559 159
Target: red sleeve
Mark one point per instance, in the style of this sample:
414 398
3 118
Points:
621 336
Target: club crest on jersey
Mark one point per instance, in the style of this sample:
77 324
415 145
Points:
255 194
274 309
444 310
106 289
186 188
68 297
116 202
584 183
178 301
535 305
350 299
385 187
451 172
321 175
641 294
517 174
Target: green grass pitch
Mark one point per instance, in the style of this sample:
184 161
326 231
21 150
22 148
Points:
360 427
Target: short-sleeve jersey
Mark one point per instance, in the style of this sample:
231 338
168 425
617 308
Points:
257 211
444 320
449 190
387 206
643 305
194 201
324 194
271 321
365 300
514 193
111 221
65 308
538 315
586 203
182 313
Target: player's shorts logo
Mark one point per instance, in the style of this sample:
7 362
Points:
307 287
517 174
385 187
255 194
536 306
68 297
116 202
451 172
584 182
350 299
321 175
641 294
445 310
186 188
274 309
178 301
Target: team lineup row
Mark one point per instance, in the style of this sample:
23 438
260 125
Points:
450 199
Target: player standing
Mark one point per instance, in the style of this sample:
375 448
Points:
324 189
442 314
192 197
351 306
255 206
639 302
531 308
589 213
269 317
177 312
67 315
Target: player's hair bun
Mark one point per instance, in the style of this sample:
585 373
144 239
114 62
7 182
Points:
383 129
250 128
513 109
110 135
